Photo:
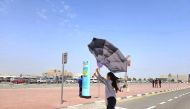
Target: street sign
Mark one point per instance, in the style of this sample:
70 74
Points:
64 58
64 61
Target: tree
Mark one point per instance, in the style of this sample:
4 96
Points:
129 79
140 79
134 79
144 79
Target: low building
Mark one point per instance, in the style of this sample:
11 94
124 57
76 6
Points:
54 73
176 77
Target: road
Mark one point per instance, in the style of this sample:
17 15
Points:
171 100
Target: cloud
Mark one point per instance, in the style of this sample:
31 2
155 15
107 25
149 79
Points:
4 4
42 14
66 7
58 9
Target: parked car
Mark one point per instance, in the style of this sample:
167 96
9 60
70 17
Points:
41 80
1 79
17 80
93 80
51 80
70 81
32 80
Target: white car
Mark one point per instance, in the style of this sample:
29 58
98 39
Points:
93 80
70 81
41 80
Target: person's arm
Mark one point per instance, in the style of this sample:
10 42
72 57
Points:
99 77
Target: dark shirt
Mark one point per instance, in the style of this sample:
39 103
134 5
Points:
80 82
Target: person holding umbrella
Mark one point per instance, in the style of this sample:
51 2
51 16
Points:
111 88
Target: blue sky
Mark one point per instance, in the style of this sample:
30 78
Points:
34 33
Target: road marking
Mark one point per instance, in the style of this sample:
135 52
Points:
180 95
129 96
146 93
118 98
139 95
162 102
152 107
175 97
170 100
120 108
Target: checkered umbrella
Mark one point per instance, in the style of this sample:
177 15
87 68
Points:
108 55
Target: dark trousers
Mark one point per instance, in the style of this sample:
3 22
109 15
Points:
111 102
80 91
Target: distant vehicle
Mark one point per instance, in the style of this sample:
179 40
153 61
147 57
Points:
93 80
51 80
17 80
41 80
1 79
32 80
70 81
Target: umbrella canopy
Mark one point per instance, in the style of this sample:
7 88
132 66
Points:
108 55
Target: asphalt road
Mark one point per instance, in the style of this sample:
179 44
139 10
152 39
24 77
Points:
171 100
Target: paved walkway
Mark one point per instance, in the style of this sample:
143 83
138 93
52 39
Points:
49 98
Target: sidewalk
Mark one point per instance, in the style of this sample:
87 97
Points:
49 98
134 89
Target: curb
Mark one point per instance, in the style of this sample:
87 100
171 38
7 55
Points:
128 97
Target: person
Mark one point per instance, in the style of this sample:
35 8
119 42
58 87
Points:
153 83
156 83
111 88
160 83
57 79
80 86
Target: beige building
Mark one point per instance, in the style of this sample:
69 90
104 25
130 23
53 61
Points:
176 77
54 73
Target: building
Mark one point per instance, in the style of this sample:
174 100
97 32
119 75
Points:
176 77
54 73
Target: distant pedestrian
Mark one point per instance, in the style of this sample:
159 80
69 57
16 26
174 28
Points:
80 86
160 83
57 79
153 83
156 83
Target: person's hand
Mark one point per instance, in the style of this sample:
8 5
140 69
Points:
97 71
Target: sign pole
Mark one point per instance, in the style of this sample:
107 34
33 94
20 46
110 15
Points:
126 77
62 83
99 87
64 61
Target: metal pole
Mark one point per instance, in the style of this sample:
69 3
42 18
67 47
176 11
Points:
99 86
177 80
98 89
62 83
169 83
126 86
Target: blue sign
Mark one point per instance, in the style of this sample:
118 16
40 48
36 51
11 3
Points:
86 80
